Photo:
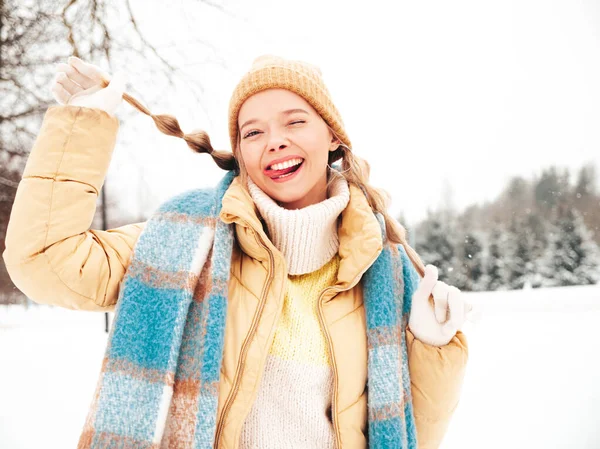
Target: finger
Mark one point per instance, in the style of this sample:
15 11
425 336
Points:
60 94
84 81
457 308
89 70
69 85
86 92
426 284
429 279
440 300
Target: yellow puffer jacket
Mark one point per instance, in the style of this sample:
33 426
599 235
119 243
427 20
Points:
54 258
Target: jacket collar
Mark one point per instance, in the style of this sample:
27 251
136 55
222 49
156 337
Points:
360 233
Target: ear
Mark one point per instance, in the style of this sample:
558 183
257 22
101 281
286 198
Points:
334 144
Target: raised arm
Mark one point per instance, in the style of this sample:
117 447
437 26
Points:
51 253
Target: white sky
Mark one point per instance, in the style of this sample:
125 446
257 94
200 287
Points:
466 93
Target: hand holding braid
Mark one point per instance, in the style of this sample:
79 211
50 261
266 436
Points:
79 83
438 324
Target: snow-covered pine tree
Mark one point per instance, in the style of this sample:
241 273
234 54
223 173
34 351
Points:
588 266
572 257
495 259
516 254
550 189
524 251
433 244
537 229
586 199
473 261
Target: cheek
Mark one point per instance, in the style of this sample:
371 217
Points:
317 149
251 160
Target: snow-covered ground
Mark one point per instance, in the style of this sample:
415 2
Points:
533 379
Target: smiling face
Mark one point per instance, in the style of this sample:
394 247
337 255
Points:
285 144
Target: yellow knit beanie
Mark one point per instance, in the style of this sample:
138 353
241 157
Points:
302 78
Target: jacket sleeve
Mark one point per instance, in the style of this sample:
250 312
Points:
436 375
51 253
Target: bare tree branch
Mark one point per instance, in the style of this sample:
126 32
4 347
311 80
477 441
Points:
28 112
9 183
69 27
144 40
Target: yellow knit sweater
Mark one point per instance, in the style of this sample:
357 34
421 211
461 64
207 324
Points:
293 405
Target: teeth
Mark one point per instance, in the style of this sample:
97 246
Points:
286 164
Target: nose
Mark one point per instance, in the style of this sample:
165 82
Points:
277 141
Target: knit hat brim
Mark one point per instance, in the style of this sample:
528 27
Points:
304 79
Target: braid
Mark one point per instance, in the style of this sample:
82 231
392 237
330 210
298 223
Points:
198 141
356 171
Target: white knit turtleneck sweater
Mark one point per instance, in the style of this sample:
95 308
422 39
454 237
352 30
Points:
306 237
293 404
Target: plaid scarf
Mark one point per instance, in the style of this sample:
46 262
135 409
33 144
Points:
159 383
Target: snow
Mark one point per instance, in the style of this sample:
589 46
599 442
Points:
531 380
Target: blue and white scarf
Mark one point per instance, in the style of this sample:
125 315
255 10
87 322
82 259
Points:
159 383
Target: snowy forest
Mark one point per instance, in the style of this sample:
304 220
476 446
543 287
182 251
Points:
541 232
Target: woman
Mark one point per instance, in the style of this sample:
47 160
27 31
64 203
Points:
280 309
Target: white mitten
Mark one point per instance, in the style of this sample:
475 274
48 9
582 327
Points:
79 83
436 326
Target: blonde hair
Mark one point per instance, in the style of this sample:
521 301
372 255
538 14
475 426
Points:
355 169
198 141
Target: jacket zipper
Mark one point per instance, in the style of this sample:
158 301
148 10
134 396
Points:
335 374
242 359
330 345
254 326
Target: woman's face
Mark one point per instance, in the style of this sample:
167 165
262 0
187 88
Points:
284 144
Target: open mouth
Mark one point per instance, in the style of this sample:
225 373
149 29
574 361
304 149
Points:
284 170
